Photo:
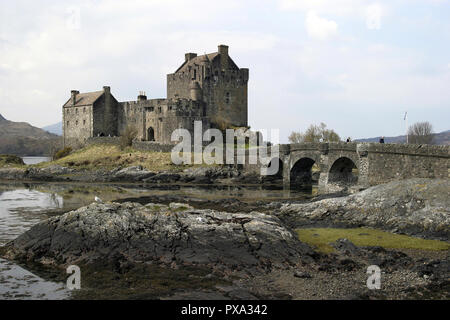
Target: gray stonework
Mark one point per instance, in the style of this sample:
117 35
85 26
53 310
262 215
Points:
360 165
208 88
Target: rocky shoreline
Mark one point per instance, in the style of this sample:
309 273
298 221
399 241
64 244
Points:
193 175
175 251
419 207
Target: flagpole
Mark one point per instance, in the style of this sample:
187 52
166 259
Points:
406 123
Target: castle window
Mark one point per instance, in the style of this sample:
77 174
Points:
67 123
84 122
151 109
84 109
195 74
76 110
76 122
159 109
227 98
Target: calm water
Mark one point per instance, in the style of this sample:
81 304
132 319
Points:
35 160
19 210
23 205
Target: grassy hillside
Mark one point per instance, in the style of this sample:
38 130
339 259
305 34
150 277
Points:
109 157
21 138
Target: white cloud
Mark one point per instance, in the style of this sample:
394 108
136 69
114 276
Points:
319 28
374 13
336 7
45 51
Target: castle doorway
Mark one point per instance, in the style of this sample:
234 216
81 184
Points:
150 134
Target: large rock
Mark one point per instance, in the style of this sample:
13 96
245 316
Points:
12 173
176 234
414 206
134 173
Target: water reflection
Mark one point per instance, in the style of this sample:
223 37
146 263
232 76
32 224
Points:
24 205
19 208
18 283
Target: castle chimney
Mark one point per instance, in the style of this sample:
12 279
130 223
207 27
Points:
142 96
189 56
73 95
223 51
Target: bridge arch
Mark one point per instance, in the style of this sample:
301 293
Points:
301 173
343 171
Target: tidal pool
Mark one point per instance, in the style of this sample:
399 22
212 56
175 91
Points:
24 205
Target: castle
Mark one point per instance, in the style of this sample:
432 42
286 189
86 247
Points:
210 88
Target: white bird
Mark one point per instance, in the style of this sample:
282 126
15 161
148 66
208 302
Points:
97 199
200 219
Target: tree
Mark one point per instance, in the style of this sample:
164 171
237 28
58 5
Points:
315 133
127 136
420 133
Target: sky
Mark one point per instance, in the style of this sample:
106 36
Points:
355 65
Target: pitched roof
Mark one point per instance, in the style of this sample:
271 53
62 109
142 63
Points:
197 60
84 99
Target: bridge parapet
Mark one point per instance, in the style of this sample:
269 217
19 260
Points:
375 162
409 149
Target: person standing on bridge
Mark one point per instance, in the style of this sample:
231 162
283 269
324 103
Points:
382 139
349 140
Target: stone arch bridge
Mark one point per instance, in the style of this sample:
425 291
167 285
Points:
358 164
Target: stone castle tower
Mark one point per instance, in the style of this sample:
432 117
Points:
215 79
210 88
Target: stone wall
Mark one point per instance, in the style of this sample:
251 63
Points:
152 146
375 163
226 96
156 119
389 162
103 140
77 125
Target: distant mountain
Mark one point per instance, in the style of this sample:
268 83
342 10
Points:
441 138
54 128
22 139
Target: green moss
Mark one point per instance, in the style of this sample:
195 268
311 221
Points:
142 282
322 237
179 209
